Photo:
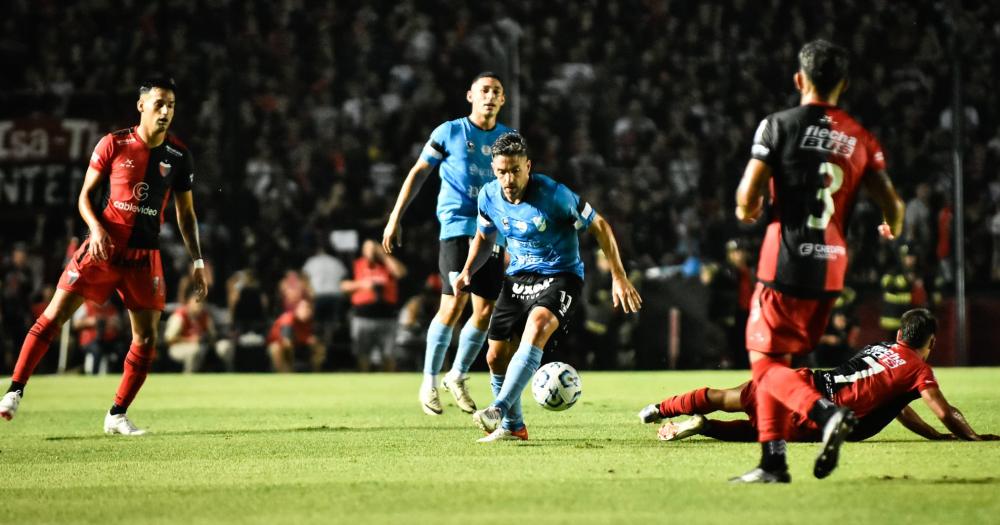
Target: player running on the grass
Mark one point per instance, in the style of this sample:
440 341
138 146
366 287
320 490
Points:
541 219
815 157
461 150
139 166
878 384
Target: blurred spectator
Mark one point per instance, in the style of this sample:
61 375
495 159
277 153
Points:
190 335
602 322
902 289
374 293
292 289
836 345
917 222
414 318
325 272
100 335
247 307
292 340
18 283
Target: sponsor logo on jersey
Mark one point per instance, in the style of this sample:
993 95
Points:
829 141
164 168
128 163
821 251
470 146
140 191
173 151
530 291
134 208
539 222
520 226
124 142
72 277
486 150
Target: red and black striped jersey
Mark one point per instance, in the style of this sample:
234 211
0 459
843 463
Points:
818 155
139 181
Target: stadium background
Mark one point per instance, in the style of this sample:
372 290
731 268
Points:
304 117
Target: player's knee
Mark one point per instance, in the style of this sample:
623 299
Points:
144 339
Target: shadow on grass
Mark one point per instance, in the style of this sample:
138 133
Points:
244 431
943 480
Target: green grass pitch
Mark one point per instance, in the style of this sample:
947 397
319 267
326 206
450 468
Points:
354 448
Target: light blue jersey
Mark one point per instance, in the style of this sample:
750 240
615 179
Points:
464 153
542 230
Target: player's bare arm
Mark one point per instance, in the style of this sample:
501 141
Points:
393 233
951 417
100 243
622 292
187 223
884 194
750 192
479 253
914 423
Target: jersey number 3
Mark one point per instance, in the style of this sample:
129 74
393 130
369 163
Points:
836 174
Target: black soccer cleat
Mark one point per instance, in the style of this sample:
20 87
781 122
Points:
835 431
759 475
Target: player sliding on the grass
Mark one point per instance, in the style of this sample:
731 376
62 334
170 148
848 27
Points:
140 166
878 384
814 158
540 219
460 150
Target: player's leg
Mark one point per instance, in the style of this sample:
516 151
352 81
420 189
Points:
281 356
138 362
701 401
36 344
439 334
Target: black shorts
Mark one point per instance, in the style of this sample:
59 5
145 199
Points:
559 293
486 282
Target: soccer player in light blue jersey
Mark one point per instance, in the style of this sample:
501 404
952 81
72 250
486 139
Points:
460 150
540 219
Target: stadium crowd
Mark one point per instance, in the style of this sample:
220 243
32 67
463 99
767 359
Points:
304 116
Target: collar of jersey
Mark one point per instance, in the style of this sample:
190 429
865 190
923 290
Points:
479 128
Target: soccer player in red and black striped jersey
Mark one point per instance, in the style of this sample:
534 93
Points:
815 158
878 384
139 168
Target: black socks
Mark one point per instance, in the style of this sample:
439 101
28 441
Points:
16 387
772 457
115 410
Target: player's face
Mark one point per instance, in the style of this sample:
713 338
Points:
157 109
486 96
512 172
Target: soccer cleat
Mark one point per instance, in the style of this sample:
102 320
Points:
835 431
650 414
671 431
430 401
9 404
502 434
759 475
487 419
120 424
456 385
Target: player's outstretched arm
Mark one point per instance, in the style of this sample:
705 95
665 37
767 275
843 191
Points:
750 192
100 244
952 417
187 223
393 233
622 291
884 194
914 423
479 253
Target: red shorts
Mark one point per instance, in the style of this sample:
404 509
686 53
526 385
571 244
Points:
781 324
137 274
800 429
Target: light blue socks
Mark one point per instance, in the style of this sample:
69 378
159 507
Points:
470 343
438 339
519 373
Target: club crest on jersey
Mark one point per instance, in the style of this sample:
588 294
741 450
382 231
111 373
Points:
506 223
156 284
520 226
470 146
164 168
539 222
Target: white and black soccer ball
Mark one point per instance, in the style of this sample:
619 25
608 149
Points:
556 386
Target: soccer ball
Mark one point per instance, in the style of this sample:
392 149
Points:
556 386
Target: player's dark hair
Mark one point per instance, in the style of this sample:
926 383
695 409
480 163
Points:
486 74
825 63
510 144
148 84
917 326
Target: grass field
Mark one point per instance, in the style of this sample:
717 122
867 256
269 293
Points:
355 449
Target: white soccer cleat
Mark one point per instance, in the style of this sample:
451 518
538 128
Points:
460 391
502 434
9 404
671 431
487 419
430 401
120 424
650 414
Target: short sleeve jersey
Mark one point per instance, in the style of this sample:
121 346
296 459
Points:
542 229
288 327
139 182
463 152
818 155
